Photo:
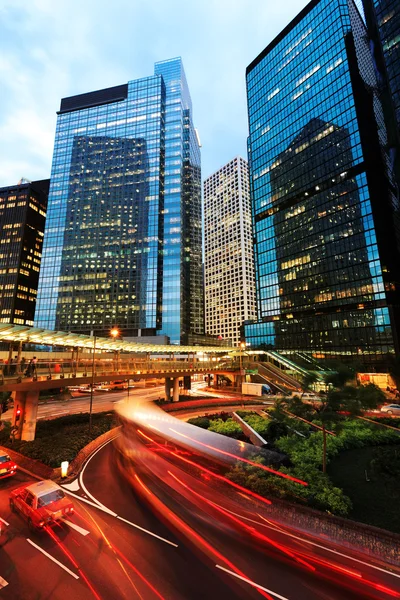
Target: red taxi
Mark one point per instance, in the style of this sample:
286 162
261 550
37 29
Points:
7 466
42 503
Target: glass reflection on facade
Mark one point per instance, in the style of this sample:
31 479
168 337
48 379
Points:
182 285
114 251
323 193
385 16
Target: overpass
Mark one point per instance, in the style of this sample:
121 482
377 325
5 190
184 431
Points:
90 359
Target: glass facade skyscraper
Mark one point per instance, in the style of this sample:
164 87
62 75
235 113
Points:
383 22
323 192
123 236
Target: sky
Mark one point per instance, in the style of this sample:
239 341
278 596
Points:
51 49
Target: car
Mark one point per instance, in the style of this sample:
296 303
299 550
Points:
42 504
391 409
7 466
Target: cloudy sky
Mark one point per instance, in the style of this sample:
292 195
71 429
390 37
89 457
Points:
50 49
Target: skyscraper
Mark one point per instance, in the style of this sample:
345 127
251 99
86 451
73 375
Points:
22 221
323 191
383 22
229 267
123 237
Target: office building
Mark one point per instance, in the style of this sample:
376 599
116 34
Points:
383 22
22 222
123 236
323 192
229 267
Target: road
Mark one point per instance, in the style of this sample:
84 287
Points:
115 547
102 401
181 537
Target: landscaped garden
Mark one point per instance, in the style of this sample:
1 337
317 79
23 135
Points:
59 439
362 459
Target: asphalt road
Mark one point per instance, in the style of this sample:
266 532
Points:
116 548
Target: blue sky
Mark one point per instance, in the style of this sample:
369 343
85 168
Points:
50 49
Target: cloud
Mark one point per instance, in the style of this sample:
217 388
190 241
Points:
51 50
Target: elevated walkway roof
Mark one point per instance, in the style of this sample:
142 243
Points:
47 337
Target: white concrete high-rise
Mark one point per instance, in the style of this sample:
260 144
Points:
229 265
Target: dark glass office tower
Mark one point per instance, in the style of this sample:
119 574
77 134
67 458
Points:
383 22
323 192
22 222
123 212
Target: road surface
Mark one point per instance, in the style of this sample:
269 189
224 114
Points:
116 548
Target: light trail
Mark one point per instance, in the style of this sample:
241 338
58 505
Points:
251 530
210 473
245 460
183 527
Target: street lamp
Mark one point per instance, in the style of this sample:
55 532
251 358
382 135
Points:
114 332
242 345
92 384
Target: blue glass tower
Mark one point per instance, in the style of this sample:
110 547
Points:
120 249
323 192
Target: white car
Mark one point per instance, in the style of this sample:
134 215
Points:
391 409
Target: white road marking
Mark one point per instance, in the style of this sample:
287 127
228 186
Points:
3 582
76 527
52 558
148 532
102 507
5 522
250 582
73 486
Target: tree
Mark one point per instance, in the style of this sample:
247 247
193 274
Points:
331 409
340 376
308 381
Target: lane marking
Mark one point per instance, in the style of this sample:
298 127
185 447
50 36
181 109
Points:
94 502
52 558
5 522
252 583
148 532
73 486
3 582
100 507
76 527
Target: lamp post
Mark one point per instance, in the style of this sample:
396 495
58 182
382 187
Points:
114 334
92 384
241 346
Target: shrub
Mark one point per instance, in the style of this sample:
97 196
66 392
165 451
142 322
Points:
60 439
203 422
228 427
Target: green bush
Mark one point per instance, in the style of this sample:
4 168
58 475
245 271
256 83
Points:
305 455
60 439
203 422
228 427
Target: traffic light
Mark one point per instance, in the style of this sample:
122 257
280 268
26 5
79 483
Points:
17 414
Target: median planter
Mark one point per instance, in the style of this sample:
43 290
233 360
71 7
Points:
77 464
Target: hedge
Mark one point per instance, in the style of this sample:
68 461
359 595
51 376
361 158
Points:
60 439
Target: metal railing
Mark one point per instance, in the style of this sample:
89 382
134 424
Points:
67 369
